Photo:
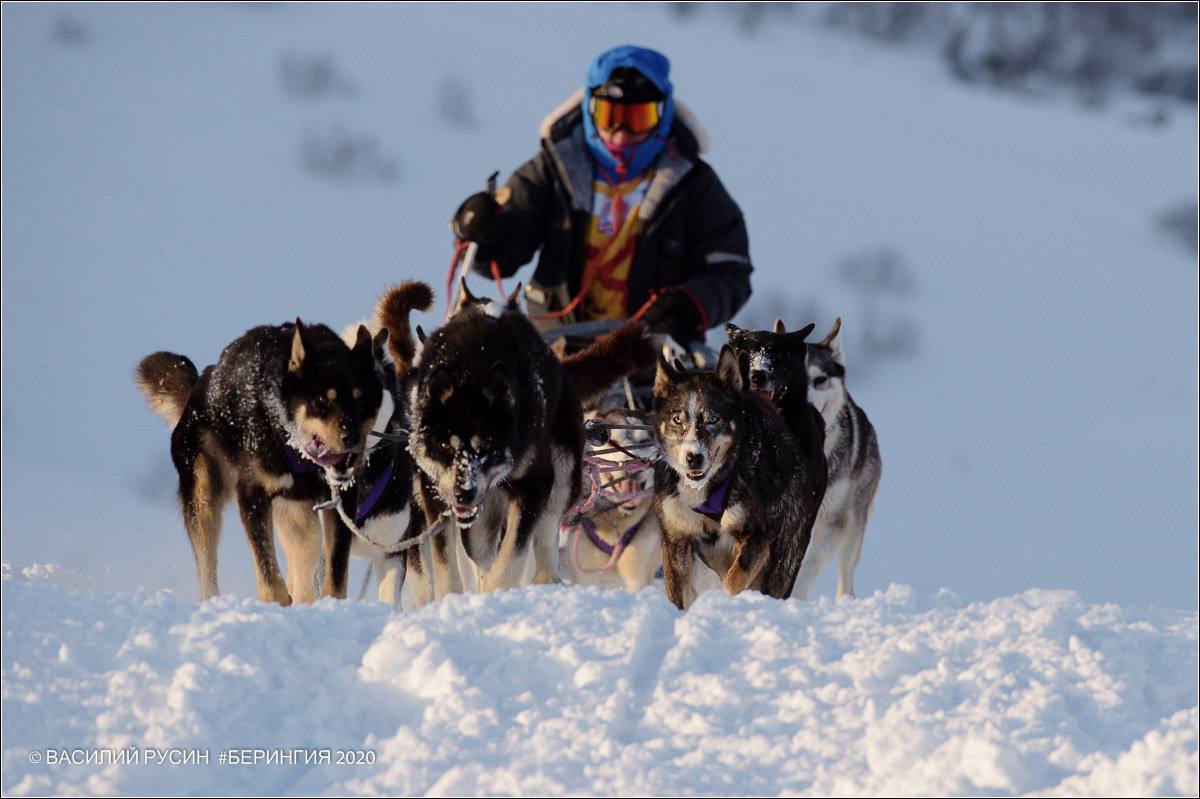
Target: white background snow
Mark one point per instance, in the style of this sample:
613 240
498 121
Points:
1039 439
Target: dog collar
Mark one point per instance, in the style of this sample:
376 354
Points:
589 527
714 506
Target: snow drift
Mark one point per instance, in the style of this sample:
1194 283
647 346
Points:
557 690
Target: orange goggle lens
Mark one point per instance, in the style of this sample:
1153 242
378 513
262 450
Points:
634 117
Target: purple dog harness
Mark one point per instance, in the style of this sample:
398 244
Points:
589 527
299 465
714 506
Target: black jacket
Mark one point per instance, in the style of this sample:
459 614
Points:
693 234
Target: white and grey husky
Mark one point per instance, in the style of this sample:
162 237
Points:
854 467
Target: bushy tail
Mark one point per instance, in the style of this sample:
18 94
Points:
167 380
609 358
392 311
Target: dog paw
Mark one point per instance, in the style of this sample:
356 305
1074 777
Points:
276 593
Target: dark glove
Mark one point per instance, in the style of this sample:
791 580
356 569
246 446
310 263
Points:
674 314
475 219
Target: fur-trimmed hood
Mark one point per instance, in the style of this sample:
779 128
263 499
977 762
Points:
558 122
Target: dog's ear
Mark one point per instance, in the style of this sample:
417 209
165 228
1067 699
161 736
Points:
779 326
732 331
465 298
663 377
801 334
439 387
296 361
511 303
833 332
498 390
727 369
421 334
362 340
834 340
379 344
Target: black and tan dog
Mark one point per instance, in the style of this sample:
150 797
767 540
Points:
283 413
732 487
497 433
772 366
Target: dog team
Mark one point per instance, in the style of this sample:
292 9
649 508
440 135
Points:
468 459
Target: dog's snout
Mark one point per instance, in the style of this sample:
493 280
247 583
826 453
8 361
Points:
349 438
694 459
758 377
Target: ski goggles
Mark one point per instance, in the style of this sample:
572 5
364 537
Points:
634 117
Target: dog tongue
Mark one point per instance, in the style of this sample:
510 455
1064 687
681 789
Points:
321 454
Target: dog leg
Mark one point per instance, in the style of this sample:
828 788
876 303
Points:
545 549
750 555
300 533
337 554
818 555
418 584
527 508
851 551
447 578
390 572
677 571
545 535
202 494
508 566
255 507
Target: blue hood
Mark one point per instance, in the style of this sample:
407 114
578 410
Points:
656 68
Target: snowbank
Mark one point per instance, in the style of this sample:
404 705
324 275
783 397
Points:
556 690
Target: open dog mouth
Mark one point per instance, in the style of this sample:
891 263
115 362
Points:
632 493
766 392
465 514
696 474
319 452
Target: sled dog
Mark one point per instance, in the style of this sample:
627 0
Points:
623 518
379 505
283 414
854 469
732 486
497 436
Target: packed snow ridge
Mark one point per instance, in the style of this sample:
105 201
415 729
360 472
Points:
558 689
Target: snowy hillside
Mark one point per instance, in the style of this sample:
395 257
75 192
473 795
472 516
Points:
551 691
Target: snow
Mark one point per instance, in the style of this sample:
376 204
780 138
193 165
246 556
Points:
1028 623
561 690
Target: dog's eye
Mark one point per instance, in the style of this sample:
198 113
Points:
677 420
820 381
321 405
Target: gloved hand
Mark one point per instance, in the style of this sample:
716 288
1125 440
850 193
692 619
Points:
674 314
475 219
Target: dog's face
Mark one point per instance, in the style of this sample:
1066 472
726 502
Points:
332 394
630 491
827 374
697 417
771 362
463 436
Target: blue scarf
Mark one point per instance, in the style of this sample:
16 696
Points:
635 159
